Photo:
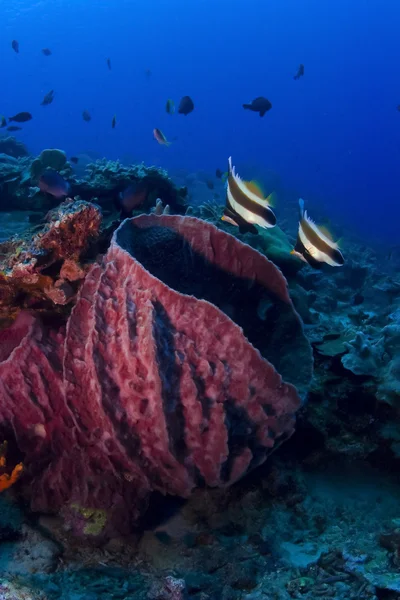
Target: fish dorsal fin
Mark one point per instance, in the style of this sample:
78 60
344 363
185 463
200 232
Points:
255 188
272 199
326 232
320 231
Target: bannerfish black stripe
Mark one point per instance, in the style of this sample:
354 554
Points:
234 219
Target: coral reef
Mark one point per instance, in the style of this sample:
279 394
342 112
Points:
144 367
101 182
273 243
10 146
40 271
149 388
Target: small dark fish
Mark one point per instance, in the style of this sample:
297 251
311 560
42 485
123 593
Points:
300 72
358 299
46 51
48 99
210 184
170 106
52 183
132 197
15 46
398 107
3 122
260 105
148 73
14 128
114 121
109 63
218 173
185 106
86 116
74 159
21 117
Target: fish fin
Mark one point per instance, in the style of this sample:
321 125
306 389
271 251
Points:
254 187
299 256
272 199
301 205
326 232
262 113
229 220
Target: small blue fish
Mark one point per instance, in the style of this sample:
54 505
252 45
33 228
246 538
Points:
52 183
132 197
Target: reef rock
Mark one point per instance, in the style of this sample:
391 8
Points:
106 179
151 386
25 279
48 159
13 147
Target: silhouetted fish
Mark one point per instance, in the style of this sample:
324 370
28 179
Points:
300 72
185 105
74 159
218 173
15 46
132 197
260 105
114 121
3 122
160 137
86 116
48 99
314 245
52 183
210 184
14 128
170 106
109 63
46 51
21 117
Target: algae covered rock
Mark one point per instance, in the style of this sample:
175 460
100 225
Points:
13 147
48 159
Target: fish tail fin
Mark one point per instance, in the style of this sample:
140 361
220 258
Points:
248 106
301 206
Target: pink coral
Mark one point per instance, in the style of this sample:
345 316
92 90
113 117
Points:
149 388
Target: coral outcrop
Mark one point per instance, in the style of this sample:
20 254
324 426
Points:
151 385
102 181
41 271
51 158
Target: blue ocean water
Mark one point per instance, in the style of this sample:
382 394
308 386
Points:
331 137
